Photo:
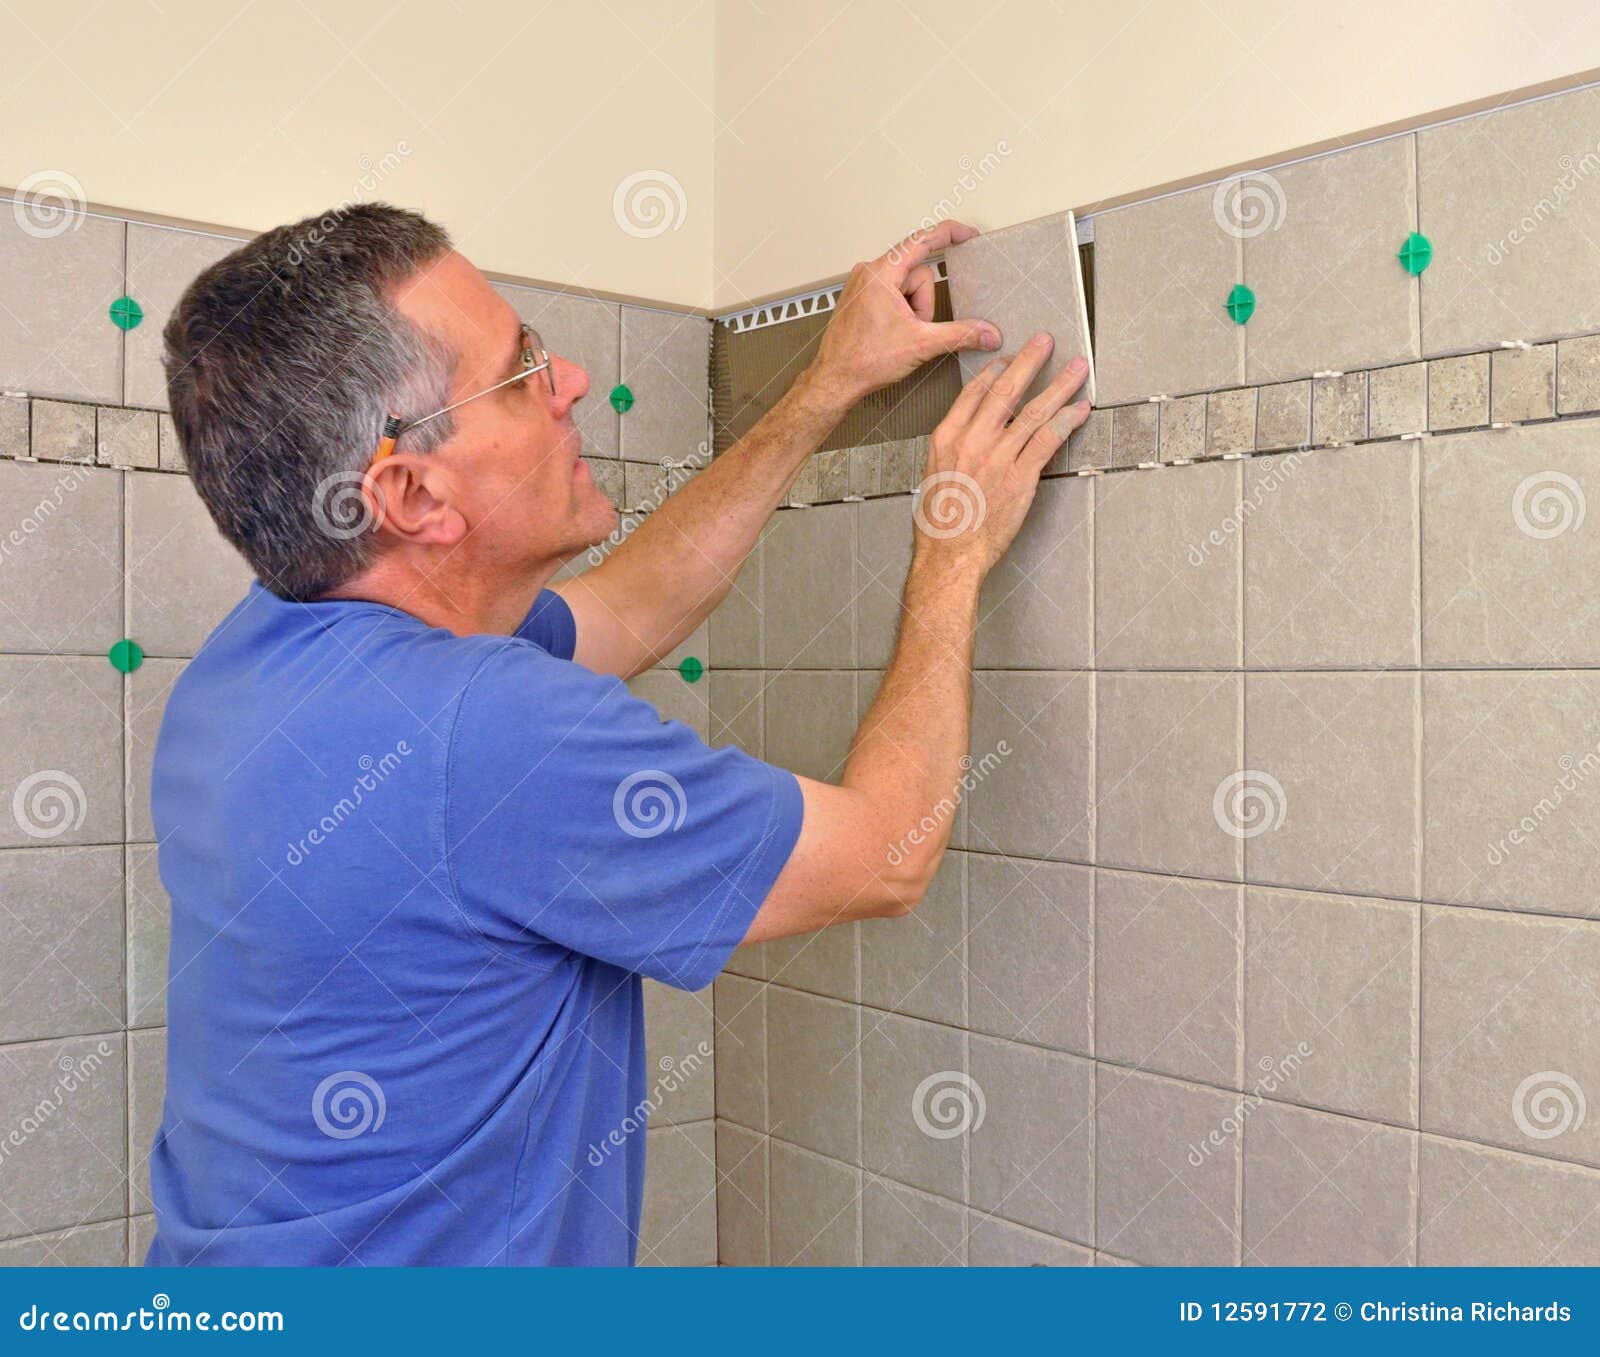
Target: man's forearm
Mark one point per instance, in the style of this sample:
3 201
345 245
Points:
682 559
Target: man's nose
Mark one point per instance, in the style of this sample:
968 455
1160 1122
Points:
572 382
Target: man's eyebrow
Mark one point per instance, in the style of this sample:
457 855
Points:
514 366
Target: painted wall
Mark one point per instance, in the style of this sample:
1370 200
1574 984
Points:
841 125
512 124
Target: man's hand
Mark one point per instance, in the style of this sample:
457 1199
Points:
883 327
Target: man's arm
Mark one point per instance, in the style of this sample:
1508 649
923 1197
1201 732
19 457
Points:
655 588
864 849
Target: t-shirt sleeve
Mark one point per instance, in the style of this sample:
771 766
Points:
575 816
550 625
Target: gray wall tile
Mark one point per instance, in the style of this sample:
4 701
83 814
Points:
742 1207
1035 611
680 1035
814 1060
741 1042
918 1106
809 589
679 1224
56 334
162 262
904 1228
149 915
915 965
664 364
816 1210
61 759
992 1242
147 1088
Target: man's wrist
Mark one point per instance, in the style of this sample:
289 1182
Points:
820 391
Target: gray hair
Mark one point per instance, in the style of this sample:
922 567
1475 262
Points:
282 361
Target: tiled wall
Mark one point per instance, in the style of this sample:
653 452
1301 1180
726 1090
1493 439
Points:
1268 933
102 537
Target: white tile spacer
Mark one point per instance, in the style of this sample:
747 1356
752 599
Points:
1515 344
1331 372
1421 433
15 395
1140 466
1156 400
1501 424
853 499
1087 471
1234 456
1180 461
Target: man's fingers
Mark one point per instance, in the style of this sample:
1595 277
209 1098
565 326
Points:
918 288
1047 440
956 336
1003 397
1043 407
916 247
966 404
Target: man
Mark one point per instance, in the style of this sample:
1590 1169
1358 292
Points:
420 841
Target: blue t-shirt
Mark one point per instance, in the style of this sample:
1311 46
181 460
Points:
415 880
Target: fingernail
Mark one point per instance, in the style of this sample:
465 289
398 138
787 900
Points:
990 339
1079 364
1040 340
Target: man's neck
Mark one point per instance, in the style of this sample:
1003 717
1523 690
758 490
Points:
466 603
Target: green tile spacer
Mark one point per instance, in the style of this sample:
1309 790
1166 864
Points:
126 313
621 399
1241 304
1416 254
691 669
126 656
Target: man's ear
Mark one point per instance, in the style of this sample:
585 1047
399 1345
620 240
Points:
409 499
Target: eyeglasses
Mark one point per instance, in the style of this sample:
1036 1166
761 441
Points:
534 359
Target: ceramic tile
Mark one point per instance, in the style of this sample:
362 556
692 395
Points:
127 438
674 698
1578 375
148 926
1031 951
1168 747
169 448
734 627
1024 279
741 1050
1330 293
1167 976
1162 270
61 549
665 365
1507 1043
1323 1191
61 759
1032 1155
1036 605
85 1246
816 1210
918 1105
1135 431
1231 421
883 556
1166 547
1511 224
63 432
814 1064
1331 1002
56 336
1505 556
742 1213
1339 409
808 589
735 701
1329 800
162 262
866 470
14 422
1183 429
1283 419
680 1040
678 1227
903 1228
148 688
1458 392
810 718
147 1087
1153 1202
1089 445
1331 575
1522 384
1397 400
992 1242
914 965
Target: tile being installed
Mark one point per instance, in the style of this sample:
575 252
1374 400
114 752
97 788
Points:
1032 1156
1323 1191
664 364
1166 547
60 761
1321 259
1513 813
1168 752
1507 558
916 1102
1030 951
586 331
162 262
1508 1050
1154 1203
1135 439
56 337
1486 1208
1167 975
1331 576
1024 279
64 567
1329 798
1162 271
1481 180
1036 731
1331 1002
1034 611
